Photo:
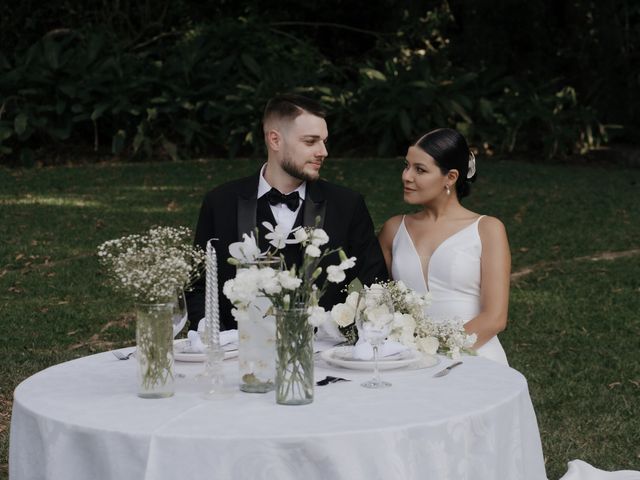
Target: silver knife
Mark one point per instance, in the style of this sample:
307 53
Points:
445 371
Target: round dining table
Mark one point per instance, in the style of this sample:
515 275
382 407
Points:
82 420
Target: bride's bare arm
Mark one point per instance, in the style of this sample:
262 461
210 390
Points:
385 237
495 264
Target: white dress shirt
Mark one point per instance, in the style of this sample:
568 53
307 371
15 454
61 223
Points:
281 212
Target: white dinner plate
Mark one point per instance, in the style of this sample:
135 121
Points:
181 351
343 357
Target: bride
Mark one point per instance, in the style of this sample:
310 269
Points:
460 257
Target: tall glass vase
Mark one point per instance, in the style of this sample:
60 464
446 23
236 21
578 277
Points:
256 348
154 349
257 340
294 357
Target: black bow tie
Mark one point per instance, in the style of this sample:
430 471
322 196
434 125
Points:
292 200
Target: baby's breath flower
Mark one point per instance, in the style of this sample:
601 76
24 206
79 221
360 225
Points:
151 267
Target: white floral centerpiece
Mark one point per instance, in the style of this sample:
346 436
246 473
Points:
447 337
411 327
294 294
152 269
289 287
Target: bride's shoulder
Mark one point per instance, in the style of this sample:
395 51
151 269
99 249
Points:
490 227
389 229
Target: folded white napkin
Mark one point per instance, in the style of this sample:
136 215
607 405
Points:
364 351
228 340
195 343
329 331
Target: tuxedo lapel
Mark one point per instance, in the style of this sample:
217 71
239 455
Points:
247 206
314 206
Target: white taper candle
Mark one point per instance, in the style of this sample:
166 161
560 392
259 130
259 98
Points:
211 309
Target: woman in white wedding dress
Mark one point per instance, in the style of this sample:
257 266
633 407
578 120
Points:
460 257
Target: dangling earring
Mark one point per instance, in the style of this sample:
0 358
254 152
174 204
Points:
448 189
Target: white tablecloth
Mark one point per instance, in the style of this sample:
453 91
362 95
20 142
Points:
82 420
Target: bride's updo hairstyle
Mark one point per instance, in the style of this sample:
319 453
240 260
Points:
450 151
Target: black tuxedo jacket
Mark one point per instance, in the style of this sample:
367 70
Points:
229 210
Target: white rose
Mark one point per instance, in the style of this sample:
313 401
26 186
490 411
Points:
335 274
404 321
343 314
352 299
312 251
317 316
408 341
428 345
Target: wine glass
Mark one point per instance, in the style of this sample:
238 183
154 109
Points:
179 315
374 318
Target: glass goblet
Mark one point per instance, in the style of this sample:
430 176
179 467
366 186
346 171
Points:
179 315
374 318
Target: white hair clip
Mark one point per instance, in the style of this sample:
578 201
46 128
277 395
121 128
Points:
472 165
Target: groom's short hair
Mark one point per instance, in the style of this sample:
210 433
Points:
288 106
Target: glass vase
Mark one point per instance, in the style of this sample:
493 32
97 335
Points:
257 340
294 357
154 349
256 348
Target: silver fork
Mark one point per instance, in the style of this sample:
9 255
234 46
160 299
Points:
121 356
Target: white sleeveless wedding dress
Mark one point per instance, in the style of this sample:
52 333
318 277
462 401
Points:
453 278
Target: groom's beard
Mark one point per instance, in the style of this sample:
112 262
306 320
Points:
296 171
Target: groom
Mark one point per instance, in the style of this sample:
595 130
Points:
287 191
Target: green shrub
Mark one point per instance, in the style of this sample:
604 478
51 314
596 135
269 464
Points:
201 92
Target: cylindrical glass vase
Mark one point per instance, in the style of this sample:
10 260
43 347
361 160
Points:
257 339
154 349
257 348
294 357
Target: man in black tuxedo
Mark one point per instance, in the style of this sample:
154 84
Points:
287 191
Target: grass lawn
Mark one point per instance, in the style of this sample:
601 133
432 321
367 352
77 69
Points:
574 327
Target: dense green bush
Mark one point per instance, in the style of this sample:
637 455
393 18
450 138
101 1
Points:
200 91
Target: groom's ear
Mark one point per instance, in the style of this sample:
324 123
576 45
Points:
273 139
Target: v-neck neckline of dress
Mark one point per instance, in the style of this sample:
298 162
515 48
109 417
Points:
425 274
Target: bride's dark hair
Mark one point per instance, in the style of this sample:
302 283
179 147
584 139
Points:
450 151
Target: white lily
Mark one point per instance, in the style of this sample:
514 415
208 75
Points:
247 250
278 235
